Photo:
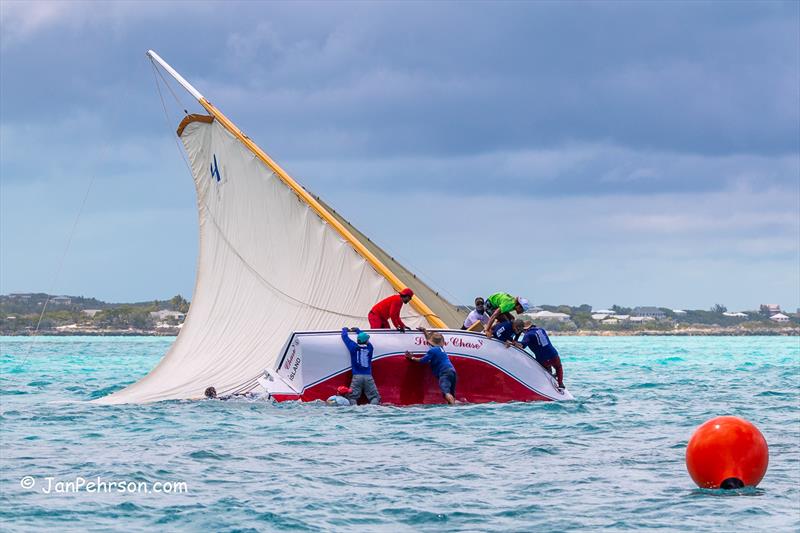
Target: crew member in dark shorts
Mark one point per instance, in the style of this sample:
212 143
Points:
441 366
389 309
536 339
361 366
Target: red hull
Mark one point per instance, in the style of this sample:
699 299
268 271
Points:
401 382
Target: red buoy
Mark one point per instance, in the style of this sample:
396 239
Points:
727 452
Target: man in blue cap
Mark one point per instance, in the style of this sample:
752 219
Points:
361 365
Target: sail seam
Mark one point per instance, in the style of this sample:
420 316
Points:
261 278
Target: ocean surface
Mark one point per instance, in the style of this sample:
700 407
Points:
612 460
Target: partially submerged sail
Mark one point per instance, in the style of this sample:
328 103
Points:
272 260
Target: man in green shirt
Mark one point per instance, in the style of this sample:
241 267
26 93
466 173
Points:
499 306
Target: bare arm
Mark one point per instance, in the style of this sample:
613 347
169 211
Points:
426 332
412 358
492 320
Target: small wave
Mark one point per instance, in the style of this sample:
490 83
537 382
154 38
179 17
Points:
207 454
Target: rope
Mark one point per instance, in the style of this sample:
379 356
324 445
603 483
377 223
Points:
175 96
58 269
166 114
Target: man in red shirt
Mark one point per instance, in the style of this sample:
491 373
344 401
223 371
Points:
389 309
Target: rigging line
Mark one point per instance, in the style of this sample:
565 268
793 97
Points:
175 96
59 268
166 117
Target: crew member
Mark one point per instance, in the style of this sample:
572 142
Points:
508 331
441 366
361 365
389 309
499 306
476 315
341 397
536 340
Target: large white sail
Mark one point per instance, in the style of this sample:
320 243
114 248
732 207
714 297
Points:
271 261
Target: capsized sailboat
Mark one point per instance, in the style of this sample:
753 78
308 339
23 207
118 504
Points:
279 273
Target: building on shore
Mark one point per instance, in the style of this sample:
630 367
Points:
651 312
735 315
166 313
780 317
770 309
549 315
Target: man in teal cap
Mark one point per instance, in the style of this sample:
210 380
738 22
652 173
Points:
361 365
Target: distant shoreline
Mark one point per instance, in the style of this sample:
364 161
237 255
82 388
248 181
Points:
682 332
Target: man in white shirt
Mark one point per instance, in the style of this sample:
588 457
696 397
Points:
476 315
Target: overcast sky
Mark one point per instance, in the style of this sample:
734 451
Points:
632 153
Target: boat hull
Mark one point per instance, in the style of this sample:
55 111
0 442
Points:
314 364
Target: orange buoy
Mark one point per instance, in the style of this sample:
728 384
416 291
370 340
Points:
727 452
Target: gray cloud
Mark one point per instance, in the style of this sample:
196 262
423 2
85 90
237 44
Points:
653 145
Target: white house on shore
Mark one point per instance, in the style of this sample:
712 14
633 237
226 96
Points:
650 312
166 313
549 315
738 314
780 317
615 319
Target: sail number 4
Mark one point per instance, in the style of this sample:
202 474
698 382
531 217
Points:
215 169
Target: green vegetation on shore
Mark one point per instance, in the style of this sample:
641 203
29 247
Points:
77 315
20 314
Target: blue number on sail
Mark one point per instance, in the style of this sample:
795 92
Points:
215 169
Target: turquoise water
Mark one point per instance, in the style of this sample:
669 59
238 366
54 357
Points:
611 460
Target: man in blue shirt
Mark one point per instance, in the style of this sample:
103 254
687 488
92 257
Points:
536 340
361 365
441 366
508 331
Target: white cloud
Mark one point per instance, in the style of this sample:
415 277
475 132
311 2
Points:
22 19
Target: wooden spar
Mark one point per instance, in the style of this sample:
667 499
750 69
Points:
416 302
